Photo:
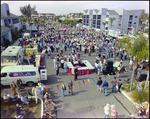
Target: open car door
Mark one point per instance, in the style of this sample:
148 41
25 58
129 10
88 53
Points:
43 73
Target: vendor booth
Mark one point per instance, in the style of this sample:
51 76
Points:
85 68
31 50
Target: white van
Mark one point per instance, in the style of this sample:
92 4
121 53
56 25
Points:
27 73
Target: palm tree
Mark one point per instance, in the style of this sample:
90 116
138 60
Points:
91 22
104 23
143 26
139 49
111 20
27 11
143 17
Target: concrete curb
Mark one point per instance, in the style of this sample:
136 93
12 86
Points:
124 93
41 104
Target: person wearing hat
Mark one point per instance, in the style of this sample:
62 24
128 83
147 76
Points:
113 111
132 116
106 110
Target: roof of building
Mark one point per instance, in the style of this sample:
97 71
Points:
96 10
13 15
112 12
3 28
75 13
133 11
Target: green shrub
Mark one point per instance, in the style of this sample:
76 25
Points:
143 84
122 87
140 96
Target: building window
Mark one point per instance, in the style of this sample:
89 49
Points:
94 16
8 12
131 17
94 21
120 17
84 16
98 22
87 16
98 16
93 25
87 20
107 16
134 22
9 21
98 26
135 16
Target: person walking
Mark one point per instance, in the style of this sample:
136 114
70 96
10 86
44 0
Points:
105 86
57 70
106 110
70 87
13 87
99 83
113 112
98 69
63 88
75 73
114 83
18 83
119 85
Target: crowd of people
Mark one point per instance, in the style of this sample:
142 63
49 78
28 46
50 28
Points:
77 40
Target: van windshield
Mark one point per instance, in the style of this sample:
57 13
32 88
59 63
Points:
8 59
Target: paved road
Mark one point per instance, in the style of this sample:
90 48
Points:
86 101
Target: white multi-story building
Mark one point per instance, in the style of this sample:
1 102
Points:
8 19
40 15
124 19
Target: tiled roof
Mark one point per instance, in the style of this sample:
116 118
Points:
3 28
113 12
13 15
133 11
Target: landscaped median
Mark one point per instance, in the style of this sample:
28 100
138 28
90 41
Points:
136 95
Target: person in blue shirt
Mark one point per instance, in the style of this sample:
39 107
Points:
105 86
24 99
